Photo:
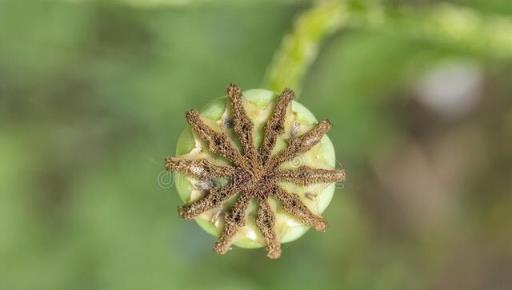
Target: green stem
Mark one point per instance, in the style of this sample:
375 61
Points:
300 48
442 24
463 28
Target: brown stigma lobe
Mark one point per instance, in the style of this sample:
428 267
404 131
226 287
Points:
254 173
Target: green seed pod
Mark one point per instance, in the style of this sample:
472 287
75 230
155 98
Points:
255 169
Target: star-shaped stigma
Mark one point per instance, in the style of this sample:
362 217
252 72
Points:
254 173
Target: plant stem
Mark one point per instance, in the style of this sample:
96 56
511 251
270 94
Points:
442 24
300 48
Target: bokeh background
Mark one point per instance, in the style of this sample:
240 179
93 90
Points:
92 95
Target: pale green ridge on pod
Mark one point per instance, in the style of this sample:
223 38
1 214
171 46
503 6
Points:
259 105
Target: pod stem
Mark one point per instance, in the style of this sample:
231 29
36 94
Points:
300 48
446 25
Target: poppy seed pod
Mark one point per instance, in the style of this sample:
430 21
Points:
256 169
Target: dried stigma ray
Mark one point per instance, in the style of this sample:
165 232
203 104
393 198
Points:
260 198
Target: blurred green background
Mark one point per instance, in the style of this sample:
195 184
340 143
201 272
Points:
92 95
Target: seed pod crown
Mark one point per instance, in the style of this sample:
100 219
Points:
253 174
